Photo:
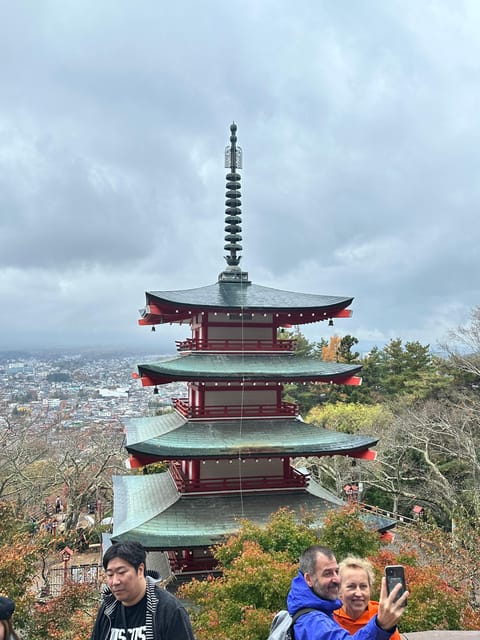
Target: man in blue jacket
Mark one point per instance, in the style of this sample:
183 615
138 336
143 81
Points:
316 586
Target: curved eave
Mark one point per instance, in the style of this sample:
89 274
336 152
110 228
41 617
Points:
172 437
189 524
197 367
182 522
286 306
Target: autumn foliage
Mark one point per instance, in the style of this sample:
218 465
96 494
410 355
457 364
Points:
259 563
69 616
66 617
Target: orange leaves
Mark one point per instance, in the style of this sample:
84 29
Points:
439 578
69 616
239 605
330 353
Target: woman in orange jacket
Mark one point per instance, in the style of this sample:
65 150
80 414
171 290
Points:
356 582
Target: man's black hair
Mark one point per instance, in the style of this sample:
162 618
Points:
132 552
308 559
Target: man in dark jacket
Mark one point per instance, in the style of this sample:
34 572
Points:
316 586
133 607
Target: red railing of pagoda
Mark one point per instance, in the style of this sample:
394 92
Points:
193 344
285 409
190 565
234 483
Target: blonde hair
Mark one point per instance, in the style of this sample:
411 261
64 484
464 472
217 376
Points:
351 562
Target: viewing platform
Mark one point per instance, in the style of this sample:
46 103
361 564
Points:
226 484
219 412
233 345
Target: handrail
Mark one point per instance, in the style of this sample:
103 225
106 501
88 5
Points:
400 518
234 483
235 410
197 344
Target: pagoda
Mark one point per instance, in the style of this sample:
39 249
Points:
231 442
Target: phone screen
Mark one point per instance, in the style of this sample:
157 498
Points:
395 574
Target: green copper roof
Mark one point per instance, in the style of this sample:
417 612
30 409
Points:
171 436
246 297
148 509
200 366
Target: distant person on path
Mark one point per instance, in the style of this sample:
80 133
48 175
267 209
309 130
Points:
356 580
317 586
58 505
133 606
7 607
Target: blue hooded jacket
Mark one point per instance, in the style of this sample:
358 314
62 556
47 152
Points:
320 625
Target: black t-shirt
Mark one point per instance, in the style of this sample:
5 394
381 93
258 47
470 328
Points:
129 623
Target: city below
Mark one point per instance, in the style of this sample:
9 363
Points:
79 390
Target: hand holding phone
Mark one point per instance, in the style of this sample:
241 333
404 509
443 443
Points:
395 574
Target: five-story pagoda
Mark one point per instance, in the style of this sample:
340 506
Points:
230 442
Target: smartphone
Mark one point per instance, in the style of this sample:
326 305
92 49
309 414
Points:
395 574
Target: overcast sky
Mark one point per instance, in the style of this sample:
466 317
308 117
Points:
359 122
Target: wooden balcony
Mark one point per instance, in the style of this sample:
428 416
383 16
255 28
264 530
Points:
219 412
234 483
180 564
191 344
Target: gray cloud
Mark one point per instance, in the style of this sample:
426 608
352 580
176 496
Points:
361 140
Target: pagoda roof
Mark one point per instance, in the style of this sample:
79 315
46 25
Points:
150 510
241 297
246 367
171 436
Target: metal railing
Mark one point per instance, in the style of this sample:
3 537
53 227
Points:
58 577
388 514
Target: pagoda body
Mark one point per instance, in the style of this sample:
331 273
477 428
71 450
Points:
231 441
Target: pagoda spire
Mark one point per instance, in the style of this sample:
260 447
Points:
233 212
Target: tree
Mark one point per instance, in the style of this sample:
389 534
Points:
240 605
24 476
303 348
402 367
282 534
337 471
69 616
18 557
84 466
345 353
442 574
339 349
427 454
464 345
407 371
346 533
258 564
39 460
330 352
351 418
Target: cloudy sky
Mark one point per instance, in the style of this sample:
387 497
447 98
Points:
359 122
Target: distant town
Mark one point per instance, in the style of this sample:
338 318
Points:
79 390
